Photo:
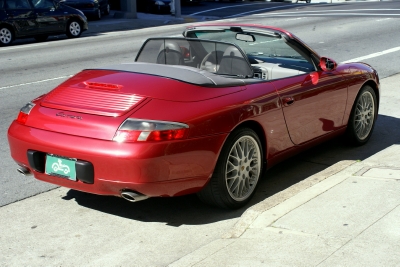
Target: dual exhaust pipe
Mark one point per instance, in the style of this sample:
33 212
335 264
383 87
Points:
127 194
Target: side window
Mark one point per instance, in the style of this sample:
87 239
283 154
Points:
17 4
48 4
1 3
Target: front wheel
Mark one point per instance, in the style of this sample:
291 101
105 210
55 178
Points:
362 117
6 36
74 29
237 172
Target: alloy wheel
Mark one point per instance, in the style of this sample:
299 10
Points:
5 36
75 28
364 115
243 168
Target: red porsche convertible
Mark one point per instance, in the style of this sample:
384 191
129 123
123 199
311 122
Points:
206 113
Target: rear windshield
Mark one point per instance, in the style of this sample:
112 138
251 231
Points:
215 57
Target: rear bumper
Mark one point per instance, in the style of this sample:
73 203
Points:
153 169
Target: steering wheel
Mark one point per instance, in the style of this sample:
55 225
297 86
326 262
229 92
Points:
210 68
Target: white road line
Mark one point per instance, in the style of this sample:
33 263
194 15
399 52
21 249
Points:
46 80
248 12
208 10
328 13
395 49
335 10
312 13
383 19
25 46
325 14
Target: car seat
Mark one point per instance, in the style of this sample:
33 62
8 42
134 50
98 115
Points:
170 54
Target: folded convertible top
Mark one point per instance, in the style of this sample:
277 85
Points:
177 72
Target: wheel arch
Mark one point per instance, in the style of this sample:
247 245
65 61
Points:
259 130
375 87
10 27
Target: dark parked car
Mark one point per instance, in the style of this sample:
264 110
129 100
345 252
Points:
91 8
38 19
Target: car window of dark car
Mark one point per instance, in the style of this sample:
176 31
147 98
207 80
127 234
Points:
1 3
43 4
17 4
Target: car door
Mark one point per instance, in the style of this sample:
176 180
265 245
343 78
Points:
49 17
313 103
20 14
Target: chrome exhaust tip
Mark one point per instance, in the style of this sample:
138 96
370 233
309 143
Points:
133 196
24 171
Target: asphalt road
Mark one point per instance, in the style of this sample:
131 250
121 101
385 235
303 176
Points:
341 31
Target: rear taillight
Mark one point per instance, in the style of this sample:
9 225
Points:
133 130
24 112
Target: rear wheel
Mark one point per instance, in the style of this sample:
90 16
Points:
362 117
74 29
6 36
237 172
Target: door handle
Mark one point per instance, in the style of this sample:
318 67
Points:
287 101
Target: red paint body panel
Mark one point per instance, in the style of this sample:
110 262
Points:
316 109
134 165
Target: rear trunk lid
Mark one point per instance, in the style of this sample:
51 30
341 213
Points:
94 103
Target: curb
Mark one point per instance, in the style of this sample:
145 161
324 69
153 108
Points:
252 213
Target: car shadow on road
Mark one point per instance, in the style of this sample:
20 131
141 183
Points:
189 210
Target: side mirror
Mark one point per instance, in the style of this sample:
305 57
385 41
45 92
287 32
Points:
327 64
313 78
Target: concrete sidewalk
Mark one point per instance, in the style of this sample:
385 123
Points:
351 218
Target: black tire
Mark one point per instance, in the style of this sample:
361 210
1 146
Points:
237 172
74 29
6 36
308 1
41 38
362 118
107 10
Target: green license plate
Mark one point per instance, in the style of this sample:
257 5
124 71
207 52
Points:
61 167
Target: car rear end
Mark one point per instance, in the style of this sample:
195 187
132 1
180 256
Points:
84 135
